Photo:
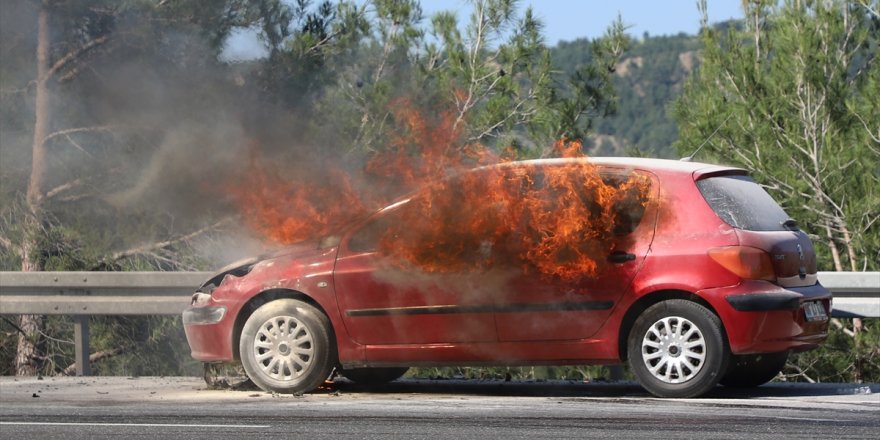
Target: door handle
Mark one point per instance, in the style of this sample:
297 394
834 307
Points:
621 257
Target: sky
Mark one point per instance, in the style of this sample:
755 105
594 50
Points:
568 20
572 19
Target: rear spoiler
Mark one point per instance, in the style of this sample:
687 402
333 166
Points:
705 173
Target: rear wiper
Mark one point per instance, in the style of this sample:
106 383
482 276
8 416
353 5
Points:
790 224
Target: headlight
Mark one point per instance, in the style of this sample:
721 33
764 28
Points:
200 299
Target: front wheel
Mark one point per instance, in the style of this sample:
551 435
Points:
677 349
286 347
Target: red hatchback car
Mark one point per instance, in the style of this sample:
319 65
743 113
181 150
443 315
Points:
707 282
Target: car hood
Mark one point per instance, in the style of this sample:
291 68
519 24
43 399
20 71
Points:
309 251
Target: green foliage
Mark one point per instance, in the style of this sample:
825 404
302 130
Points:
589 92
493 76
794 99
111 64
646 80
844 358
152 346
132 346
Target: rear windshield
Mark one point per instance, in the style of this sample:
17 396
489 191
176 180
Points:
742 203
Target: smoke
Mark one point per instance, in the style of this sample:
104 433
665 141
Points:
149 131
168 140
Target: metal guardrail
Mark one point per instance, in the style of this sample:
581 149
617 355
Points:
856 294
97 293
81 294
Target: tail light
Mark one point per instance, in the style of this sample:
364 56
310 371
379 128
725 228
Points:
744 261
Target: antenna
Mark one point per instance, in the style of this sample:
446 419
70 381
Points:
689 158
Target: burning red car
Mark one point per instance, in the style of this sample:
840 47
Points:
689 271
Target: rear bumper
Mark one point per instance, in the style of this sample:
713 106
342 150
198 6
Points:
778 298
761 317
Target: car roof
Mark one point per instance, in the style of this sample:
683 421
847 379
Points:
697 169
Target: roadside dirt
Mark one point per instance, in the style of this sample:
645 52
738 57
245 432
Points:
122 390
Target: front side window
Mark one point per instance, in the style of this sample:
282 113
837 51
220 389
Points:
367 238
543 218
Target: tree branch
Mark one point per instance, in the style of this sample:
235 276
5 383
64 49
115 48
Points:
94 357
73 55
148 249
842 327
801 372
70 131
6 243
64 187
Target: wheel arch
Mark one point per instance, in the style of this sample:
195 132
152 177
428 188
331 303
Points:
648 300
266 297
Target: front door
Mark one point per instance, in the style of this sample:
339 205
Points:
382 303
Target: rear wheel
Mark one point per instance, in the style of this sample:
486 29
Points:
286 347
373 376
677 349
752 370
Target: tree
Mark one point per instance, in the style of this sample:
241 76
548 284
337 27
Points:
589 92
493 72
793 96
73 105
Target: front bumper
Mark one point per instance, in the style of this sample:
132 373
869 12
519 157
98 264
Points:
761 317
208 331
203 315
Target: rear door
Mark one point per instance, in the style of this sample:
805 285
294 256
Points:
537 308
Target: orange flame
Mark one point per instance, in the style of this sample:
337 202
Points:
559 222
288 211
425 150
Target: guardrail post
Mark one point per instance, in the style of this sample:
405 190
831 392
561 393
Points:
81 344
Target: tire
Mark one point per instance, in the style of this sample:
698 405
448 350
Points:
659 358
373 376
286 347
752 370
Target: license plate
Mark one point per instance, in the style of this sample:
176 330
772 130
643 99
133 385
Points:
815 311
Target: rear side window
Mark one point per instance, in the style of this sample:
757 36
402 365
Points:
630 208
742 203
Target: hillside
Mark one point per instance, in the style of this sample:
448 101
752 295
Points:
647 81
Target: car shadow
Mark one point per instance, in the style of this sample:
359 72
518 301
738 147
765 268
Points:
562 388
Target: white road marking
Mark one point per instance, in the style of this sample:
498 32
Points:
806 419
162 425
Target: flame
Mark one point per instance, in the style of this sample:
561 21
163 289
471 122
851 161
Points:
559 222
473 211
424 150
289 211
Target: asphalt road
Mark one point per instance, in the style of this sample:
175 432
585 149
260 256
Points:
108 407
